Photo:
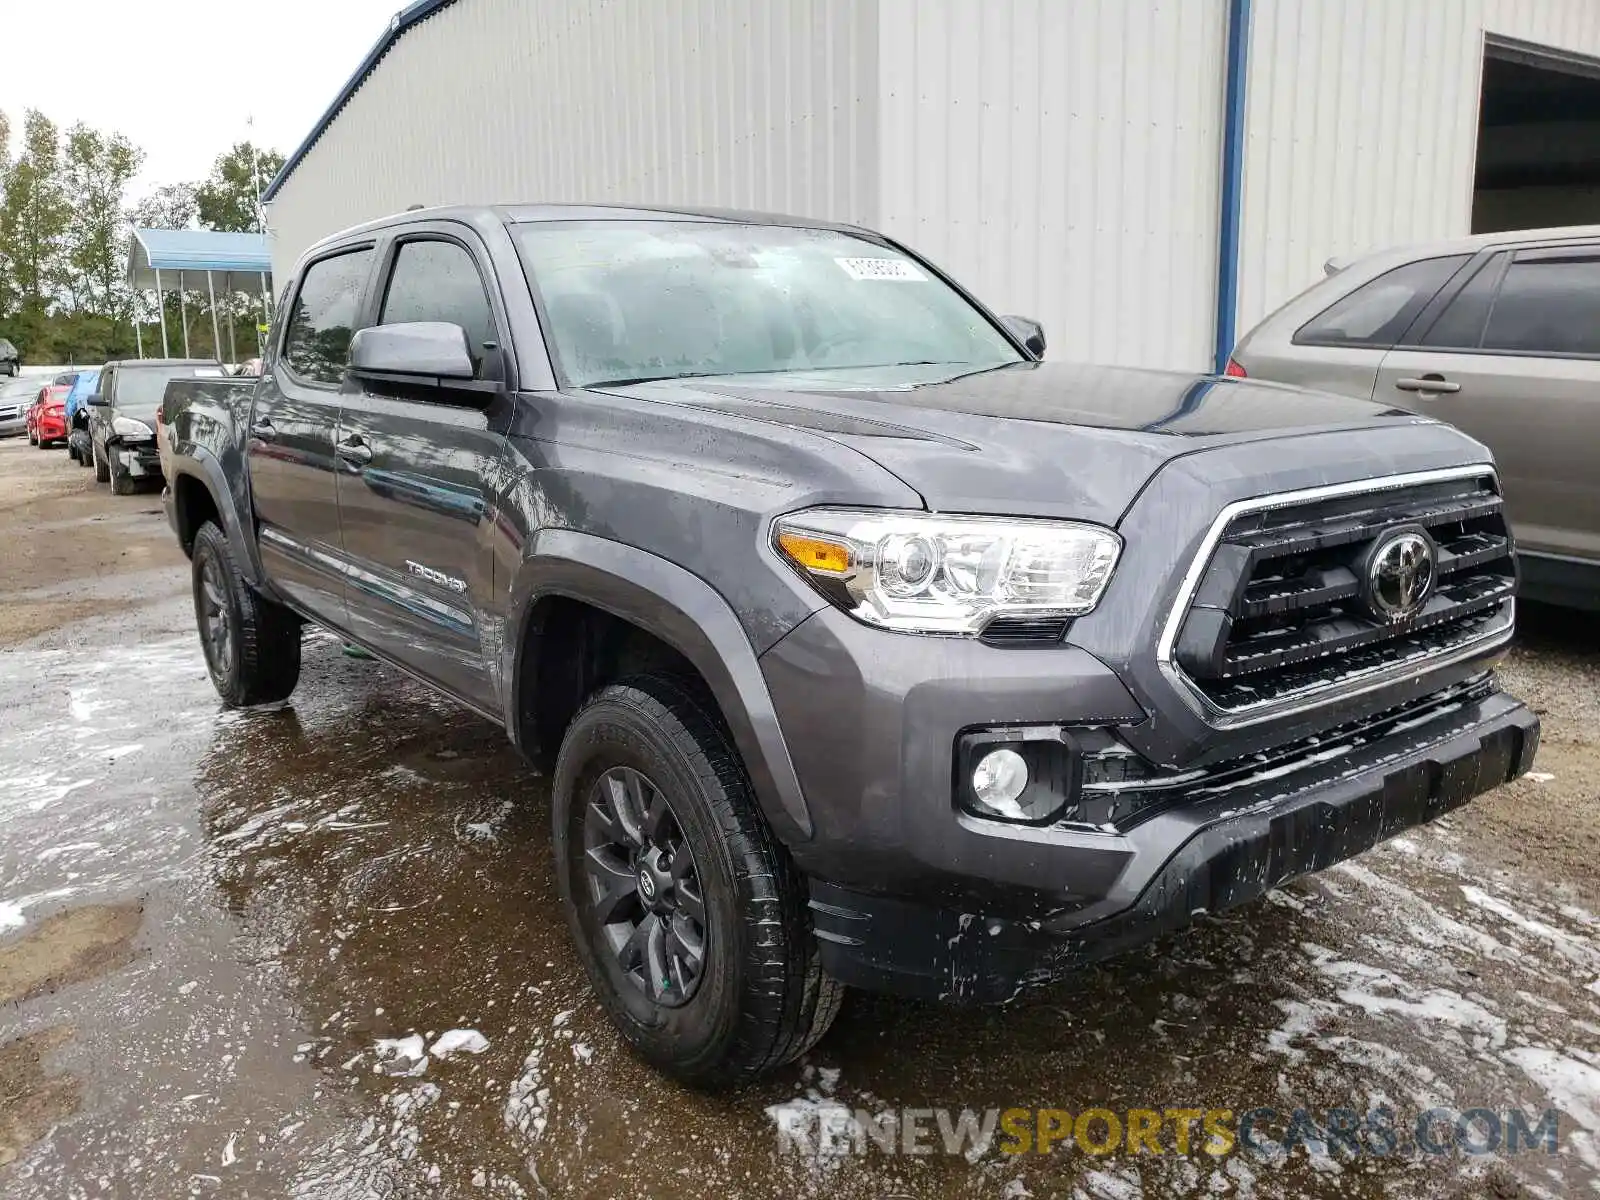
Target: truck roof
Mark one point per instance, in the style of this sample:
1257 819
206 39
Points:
518 214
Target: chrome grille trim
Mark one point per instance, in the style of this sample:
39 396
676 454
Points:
1496 634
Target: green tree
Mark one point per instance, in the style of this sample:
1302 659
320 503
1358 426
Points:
97 170
227 199
8 284
171 206
35 215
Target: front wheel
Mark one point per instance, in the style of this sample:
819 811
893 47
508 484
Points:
102 469
252 646
688 915
122 480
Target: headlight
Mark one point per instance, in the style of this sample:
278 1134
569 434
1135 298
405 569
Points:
128 427
923 573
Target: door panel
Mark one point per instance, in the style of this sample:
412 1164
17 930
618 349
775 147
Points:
1540 417
290 443
415 484
291 464
414 508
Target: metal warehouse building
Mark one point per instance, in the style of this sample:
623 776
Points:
1144 176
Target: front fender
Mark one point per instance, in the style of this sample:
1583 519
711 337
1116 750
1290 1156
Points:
687 614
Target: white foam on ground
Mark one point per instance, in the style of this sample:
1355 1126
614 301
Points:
1564 944
1573 1087
458 1041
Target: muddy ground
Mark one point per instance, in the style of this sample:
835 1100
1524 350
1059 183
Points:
218 931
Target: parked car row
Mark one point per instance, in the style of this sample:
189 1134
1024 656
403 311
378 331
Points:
106 416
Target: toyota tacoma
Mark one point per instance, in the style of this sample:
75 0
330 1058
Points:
867 648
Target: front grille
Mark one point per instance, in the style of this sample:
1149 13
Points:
1283 610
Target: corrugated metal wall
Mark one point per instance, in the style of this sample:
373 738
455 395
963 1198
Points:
726 102
1362 125
1062 159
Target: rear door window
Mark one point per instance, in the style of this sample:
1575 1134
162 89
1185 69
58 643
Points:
438 281
1381 310
1548 304
317 344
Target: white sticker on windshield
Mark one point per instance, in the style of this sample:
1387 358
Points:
880 268
208 372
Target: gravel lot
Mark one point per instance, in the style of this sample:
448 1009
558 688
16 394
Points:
218 932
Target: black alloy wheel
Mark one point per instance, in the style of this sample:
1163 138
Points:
251 645
216 618
645 886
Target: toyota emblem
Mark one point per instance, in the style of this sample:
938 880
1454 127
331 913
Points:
1400 574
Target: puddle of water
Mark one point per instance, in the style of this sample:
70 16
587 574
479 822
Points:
337 892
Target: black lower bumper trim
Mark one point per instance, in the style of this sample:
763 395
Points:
1254 839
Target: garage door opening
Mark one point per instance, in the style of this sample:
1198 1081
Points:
1538 139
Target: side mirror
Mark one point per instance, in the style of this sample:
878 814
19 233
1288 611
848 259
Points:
95 400
1027 331
422 351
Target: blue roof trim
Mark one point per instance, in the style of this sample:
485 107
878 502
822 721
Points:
411 14
202 250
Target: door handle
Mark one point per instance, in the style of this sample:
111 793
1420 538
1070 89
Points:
1437 384
354 451
264 430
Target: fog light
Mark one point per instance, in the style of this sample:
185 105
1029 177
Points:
998 779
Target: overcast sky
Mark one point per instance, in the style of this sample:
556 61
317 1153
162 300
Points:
180 77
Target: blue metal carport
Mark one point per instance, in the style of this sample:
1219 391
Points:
239 262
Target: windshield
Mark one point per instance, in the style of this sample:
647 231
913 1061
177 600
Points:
635 300
19 389
142 387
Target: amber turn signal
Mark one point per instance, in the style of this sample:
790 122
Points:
815 554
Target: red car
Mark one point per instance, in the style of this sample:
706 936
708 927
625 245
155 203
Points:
47 416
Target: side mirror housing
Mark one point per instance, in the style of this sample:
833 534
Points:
1027 331
95 400
420 351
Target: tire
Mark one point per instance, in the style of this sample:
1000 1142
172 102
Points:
760 997
260 662
122 481
102 469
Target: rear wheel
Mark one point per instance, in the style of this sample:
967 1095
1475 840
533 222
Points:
252 646
688 914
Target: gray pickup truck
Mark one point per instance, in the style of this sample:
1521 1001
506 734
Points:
867 648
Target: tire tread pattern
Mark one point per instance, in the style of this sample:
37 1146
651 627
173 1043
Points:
267 635
788 1002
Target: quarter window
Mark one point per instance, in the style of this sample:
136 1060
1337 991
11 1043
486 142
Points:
1378 313
1547 306
438 281
1460 326
317 346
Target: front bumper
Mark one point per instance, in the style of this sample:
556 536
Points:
140 460
1229 847
11 426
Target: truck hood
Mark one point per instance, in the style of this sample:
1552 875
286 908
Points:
1044 439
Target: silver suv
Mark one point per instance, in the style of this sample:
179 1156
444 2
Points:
1497 334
